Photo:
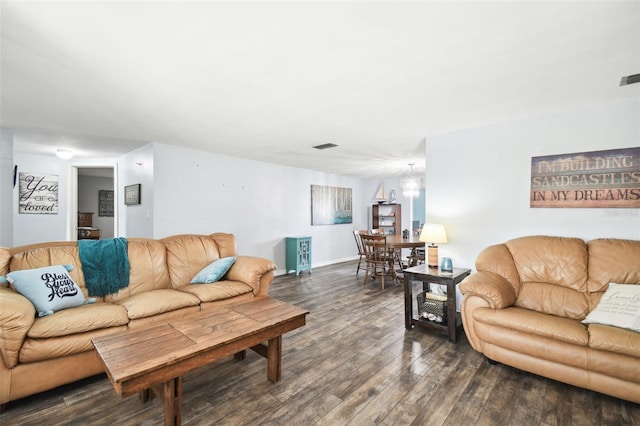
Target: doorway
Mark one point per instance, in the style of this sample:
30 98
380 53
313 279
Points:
93 207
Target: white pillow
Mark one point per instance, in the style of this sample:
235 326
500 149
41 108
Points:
49 288
619 307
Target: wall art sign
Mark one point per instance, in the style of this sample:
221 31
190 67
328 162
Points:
603 179
105 203
38 193
331 205
132 194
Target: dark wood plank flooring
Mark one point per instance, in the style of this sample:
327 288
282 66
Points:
353 363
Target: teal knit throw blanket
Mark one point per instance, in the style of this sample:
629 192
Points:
105 264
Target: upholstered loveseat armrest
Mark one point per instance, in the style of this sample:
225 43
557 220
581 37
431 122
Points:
493 288
254 271
17 314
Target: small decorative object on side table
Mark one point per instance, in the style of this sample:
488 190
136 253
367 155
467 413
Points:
436 276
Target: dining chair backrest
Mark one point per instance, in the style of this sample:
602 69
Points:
375 247
357 235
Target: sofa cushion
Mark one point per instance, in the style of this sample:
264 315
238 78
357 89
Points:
618 307
554 300
614 339
49 288
156 302
47 254
558 260
188 254
612 260
556 268
147 269
214 271
535 323
56 347
217 291
79 320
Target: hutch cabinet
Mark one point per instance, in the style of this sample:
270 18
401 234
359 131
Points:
388 218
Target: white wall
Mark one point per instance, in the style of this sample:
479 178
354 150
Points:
477 180
32 228
88 191
6 187
261 203
191 191
136 220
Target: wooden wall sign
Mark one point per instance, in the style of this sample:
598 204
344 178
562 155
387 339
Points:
38 193
602 179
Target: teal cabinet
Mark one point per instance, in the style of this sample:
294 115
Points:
298 256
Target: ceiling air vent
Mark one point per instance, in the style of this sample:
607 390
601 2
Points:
325 146
630 79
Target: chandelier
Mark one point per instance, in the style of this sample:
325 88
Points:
411 184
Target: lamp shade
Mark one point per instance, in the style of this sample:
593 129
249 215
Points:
433 233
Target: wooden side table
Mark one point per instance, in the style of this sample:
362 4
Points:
433 275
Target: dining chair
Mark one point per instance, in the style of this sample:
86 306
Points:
378 257
416 257
357 235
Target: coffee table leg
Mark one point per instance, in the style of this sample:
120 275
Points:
172 400
274 359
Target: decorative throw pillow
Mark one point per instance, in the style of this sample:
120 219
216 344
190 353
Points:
619 307
213 271
50 288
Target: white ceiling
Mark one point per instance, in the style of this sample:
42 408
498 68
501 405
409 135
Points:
268 80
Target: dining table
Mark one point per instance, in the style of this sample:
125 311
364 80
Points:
395 242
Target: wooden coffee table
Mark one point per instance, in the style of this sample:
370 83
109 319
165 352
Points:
156 358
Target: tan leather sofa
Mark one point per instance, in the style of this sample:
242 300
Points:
524 306
42 353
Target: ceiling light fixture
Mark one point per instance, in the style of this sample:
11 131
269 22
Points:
411 184
64 153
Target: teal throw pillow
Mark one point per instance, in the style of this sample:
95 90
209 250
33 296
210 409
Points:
214 271
49 289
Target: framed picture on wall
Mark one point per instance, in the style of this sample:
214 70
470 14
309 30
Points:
132 194
331 205
105 203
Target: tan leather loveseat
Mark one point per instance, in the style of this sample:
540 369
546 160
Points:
42 353
524 306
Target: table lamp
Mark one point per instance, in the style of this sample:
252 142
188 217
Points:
433 234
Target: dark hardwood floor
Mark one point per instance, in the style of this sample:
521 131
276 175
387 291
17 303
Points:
353 363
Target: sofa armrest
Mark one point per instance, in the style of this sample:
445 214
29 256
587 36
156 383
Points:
254 271
493 288
17 314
